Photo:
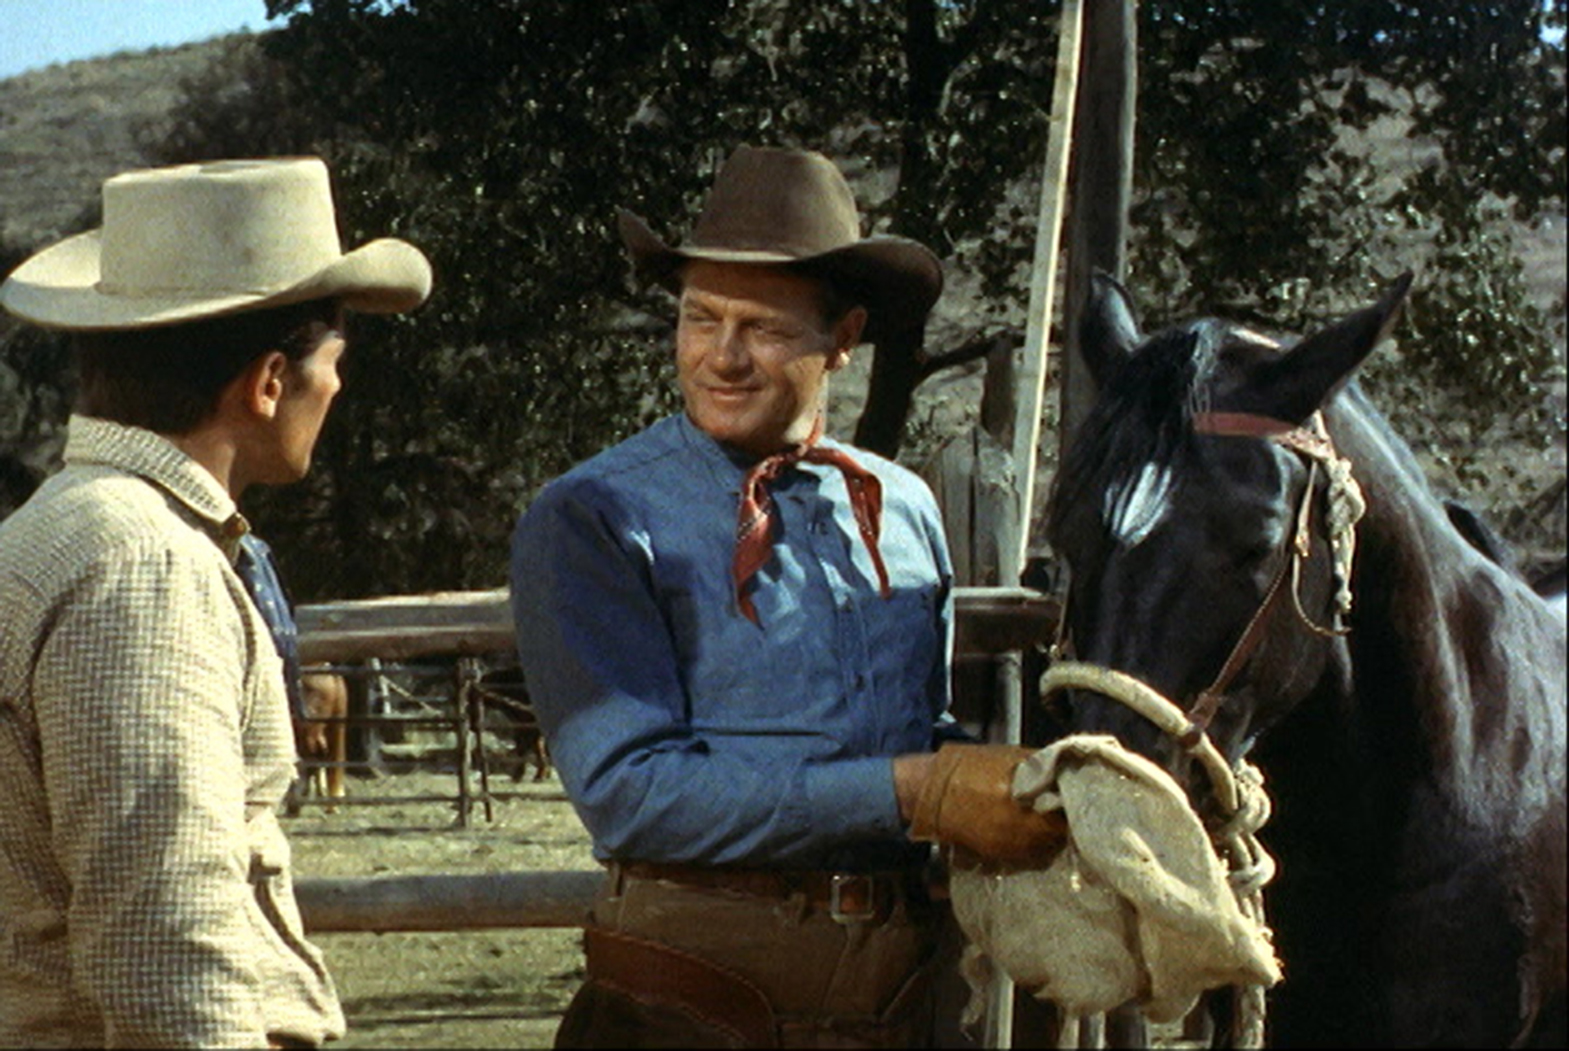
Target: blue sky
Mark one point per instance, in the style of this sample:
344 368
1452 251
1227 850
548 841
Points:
36 33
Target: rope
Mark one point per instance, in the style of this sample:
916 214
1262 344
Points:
1239 790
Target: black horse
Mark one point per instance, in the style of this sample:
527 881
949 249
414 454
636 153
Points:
1409 720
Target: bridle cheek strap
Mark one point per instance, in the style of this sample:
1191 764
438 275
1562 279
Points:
1346 505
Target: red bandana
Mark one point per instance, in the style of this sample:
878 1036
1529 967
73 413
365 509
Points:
755 517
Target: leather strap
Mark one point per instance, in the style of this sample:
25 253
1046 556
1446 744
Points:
659 974
851 896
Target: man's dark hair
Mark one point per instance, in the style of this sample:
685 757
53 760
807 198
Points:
836 294
167 379
837 299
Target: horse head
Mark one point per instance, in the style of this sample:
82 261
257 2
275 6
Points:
1193 512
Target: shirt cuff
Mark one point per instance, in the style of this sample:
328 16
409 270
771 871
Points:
853 798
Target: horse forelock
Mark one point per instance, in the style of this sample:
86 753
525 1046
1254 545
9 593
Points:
1130 444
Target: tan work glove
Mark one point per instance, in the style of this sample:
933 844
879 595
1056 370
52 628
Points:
967 802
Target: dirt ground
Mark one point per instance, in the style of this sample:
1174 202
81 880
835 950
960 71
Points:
469 989
465 989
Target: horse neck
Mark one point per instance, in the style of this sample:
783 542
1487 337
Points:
1430 677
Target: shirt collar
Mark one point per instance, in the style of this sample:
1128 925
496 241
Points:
725 463
138 451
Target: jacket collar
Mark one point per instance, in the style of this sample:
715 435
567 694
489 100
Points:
138 451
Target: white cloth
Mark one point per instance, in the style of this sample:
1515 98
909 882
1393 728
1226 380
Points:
1135 908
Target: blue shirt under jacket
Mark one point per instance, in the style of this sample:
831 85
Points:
258 571
684 732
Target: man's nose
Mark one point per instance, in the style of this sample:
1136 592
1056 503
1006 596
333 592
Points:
730 351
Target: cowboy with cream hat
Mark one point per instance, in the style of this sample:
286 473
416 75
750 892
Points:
151 744
202 240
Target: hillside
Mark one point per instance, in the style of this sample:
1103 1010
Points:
66 128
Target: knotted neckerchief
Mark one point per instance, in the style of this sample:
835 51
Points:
754 534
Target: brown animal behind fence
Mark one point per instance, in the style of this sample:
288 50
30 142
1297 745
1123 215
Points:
322 736
501 690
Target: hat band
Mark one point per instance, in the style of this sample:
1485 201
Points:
112 288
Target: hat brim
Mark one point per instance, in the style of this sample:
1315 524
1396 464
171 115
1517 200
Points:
898 280
59 288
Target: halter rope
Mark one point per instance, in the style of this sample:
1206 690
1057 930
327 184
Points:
1240 792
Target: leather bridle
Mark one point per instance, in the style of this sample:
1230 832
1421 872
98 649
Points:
1310 440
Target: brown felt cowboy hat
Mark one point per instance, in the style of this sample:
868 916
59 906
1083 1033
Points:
196 241
793 207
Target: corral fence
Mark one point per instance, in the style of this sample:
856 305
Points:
404 714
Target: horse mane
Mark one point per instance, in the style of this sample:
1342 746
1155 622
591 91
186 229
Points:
1143 417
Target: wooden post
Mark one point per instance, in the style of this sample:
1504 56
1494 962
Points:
1029 376
460 729
1030 373
1101 184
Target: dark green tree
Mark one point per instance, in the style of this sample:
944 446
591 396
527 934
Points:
501 136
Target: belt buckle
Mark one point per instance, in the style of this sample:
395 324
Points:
852 897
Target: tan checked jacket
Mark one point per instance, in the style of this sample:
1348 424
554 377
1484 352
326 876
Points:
145 896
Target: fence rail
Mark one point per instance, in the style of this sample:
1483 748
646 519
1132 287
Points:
388 904
479 623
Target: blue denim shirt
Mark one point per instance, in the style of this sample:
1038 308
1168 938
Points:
684 732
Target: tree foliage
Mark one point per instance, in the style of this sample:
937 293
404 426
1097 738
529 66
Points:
500 136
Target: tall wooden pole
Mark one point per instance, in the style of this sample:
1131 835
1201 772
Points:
1030 370
1029 376
1101 184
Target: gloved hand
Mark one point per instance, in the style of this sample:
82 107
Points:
967 801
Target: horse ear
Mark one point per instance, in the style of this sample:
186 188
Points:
1108 333
1295 385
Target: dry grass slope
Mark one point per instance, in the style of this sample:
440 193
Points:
65 128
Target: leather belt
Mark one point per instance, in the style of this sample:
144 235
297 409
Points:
849 897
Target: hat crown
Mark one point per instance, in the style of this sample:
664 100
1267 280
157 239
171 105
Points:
794 203
244 226
782 207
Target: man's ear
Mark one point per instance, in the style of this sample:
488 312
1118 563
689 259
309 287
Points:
847 336
261 385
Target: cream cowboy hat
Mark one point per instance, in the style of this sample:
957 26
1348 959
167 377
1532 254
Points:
793 207
200 240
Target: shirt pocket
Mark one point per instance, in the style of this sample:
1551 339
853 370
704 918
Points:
905 642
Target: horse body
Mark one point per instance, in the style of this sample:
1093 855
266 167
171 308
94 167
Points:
1416 763
321 738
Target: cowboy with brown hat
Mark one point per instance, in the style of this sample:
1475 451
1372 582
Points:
736 632
145 740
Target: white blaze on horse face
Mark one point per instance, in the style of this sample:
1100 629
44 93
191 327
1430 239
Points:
1247 335
1136 505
